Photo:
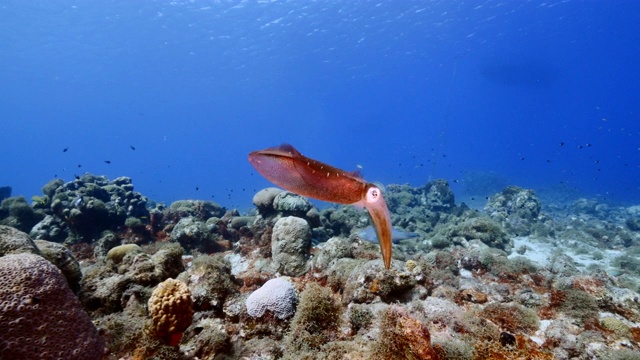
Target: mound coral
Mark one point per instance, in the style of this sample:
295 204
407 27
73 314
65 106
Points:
117 253
41 317
290 243
171 311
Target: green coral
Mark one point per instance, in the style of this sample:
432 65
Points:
628 263
616 326
134 223
16 212
454 350
579 304
474 228
512 318
401 337
360 316
316 321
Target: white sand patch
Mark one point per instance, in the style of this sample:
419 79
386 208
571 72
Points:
238 263
542 251
538 252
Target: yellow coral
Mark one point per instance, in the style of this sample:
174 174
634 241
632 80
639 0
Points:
117 253
411 264
616 326
171 311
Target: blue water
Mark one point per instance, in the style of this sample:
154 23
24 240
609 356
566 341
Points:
408 90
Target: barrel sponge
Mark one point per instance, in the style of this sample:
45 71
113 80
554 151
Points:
276 295
41 317
171 310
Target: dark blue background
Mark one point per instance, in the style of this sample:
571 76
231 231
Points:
409 90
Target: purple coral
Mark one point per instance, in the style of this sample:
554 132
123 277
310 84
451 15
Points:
41 317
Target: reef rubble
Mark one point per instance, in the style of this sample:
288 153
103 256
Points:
516 279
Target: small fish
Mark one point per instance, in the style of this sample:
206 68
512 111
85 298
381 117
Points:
107 161
65 149
369 234
78 201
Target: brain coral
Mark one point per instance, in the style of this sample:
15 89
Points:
41 318
276 295
171 310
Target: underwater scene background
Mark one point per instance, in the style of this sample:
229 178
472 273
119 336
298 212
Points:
503 135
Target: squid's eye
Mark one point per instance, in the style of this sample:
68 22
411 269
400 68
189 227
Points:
373 194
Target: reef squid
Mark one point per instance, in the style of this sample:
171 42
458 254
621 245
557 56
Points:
287 168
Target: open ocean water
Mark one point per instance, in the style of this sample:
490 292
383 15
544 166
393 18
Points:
175 94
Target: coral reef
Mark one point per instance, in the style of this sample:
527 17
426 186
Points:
16 212
192 234
105 286
80 210
370 280
41 317
438 196
515 208
210 281
517 280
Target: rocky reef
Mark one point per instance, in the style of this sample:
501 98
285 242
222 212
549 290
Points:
516 279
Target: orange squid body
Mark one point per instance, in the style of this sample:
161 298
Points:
288 168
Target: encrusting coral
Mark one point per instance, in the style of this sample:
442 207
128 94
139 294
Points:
171 311
402 337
